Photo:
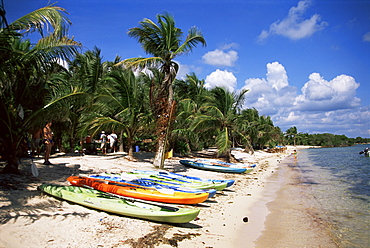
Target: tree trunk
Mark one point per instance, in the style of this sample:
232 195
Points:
130 151
10 155
159 155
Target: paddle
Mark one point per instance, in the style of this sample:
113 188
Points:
34 169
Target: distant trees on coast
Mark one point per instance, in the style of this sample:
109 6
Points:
139 99
324 139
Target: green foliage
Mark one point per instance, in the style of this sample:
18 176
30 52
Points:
292 137
25 71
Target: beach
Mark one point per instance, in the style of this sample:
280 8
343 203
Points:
244 215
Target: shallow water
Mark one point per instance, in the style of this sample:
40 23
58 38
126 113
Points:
339 180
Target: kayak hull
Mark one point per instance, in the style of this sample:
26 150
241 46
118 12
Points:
138 192
217 183
151 185
126 207
189 183
211 167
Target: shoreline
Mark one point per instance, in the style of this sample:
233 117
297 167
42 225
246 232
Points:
30 219
294 220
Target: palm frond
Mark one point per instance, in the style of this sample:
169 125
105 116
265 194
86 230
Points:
141 63
193 38
223 142
50 19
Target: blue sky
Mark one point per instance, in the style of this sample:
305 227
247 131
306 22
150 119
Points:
305 63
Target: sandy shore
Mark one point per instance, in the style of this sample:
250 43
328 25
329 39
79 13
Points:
30 219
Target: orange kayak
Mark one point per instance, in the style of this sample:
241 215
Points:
139 192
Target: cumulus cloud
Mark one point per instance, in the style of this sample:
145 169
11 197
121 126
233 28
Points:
320 106
294 26
222 57
186 69
221 78
270 94
319 94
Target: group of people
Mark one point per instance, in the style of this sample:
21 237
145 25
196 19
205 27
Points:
110 139
42 136
45 136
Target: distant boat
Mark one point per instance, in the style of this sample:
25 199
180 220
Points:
365 152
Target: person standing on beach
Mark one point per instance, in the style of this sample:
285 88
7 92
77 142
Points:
295 154
103 140
113 141
48 141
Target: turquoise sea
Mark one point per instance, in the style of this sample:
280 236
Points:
339 180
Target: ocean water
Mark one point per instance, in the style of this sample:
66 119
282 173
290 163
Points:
339 181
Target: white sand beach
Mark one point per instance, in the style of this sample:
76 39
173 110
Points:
31 219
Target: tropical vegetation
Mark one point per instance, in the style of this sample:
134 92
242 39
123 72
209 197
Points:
140 99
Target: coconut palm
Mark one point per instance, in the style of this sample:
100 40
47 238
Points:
164 42
25 69
121 106
291 134
189 93
221 115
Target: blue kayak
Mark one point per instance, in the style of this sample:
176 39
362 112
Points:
151 184
154 176
212 167
222 163
173 176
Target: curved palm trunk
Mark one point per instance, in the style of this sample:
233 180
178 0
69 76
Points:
164 122
165 108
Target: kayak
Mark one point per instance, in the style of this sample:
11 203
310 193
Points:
138 192
161 187
128 207
222 163
212 167
189 183
175 176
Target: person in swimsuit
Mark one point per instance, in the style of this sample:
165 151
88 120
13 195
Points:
48 141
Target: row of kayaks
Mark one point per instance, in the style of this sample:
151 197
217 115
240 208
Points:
140 194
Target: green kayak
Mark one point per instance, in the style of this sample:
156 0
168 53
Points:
123 206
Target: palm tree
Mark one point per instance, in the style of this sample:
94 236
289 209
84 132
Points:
25 70
163 42
74 92
292 133
190 95
191 88
121 106
221 115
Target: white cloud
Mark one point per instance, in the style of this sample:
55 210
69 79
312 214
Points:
220 58
270 94
320 106
294 26
220 78
366 37
276 75
228 46
321 95
186 69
